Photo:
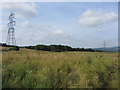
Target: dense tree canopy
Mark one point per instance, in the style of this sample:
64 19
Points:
58 48
54 48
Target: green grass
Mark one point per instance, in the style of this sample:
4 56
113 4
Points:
40 69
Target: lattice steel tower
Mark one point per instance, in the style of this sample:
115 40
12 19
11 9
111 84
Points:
11 31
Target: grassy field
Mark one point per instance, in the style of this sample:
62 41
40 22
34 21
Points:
41 69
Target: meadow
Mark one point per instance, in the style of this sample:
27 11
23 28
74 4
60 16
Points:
28 68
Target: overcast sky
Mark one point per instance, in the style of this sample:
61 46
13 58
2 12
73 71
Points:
77 24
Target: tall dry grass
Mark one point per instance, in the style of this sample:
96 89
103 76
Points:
40 69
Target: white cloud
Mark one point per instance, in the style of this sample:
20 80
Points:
24 24
92 18
21 9
58 32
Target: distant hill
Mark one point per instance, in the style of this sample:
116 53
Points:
109 49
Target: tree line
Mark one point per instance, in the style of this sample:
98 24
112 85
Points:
59 48
54 48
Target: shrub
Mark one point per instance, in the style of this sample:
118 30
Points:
16 48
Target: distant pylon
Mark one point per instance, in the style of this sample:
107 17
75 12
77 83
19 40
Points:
11 31
104 44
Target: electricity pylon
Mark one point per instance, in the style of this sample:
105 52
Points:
11 31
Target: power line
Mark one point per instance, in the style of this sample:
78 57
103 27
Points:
39 32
